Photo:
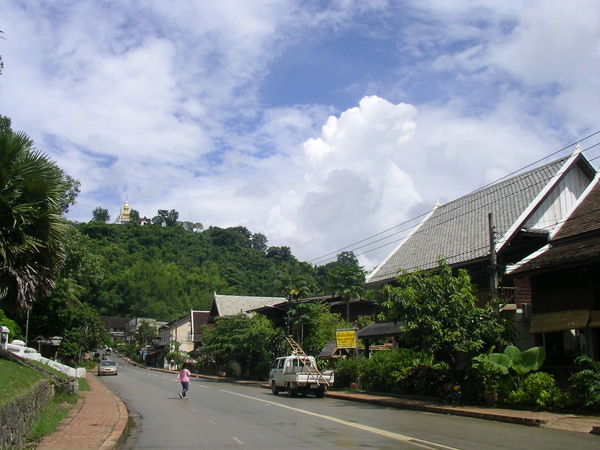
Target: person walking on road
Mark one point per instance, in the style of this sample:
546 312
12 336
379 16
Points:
184 377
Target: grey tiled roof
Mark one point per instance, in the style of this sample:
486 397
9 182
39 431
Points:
229 305
459 230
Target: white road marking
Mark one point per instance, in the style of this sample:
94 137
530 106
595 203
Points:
388 434
237 440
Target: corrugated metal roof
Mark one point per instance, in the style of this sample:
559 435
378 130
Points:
459 230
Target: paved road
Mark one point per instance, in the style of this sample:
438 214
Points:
231 416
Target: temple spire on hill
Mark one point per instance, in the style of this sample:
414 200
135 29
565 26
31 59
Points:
123 217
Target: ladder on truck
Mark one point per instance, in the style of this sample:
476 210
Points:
312 371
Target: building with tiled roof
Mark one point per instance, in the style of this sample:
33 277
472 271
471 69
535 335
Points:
561 281
510 224
229 305
524 210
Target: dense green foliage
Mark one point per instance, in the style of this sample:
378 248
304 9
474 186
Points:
86 333
146 331
313 325
539 390
33 193
584 386
249 341
347 372
347 281
15 330
399 371
162 271
439 315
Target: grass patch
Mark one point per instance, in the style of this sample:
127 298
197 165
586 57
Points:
16 380
83 384
47 421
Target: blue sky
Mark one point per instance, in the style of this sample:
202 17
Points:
318 124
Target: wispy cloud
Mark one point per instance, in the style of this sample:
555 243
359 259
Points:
315 124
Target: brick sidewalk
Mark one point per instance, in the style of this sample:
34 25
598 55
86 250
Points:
98 420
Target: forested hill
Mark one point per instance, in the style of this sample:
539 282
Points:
163 272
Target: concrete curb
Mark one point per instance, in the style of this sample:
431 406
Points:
119 430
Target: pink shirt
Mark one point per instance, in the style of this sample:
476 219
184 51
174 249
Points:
184 375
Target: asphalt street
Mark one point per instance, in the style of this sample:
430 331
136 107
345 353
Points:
226 415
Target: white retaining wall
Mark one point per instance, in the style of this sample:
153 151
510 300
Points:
30 353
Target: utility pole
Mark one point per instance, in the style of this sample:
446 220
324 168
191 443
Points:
493 258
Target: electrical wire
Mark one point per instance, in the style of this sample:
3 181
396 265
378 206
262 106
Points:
368 241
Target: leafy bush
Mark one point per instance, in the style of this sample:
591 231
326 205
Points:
346 371
488 374
584 386
424 380
539 389
393 370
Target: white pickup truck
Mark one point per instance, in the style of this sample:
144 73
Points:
299 374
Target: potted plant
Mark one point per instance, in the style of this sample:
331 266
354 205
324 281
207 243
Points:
489 375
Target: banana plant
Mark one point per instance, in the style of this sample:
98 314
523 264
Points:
520 362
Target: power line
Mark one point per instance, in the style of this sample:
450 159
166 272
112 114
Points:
328 256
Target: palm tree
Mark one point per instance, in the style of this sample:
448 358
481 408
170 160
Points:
294 282
32 231
347 281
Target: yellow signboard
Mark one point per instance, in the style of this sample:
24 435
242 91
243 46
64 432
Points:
345 339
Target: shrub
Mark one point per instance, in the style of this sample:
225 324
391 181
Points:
539 389
392 370
379 372
488 374
346 371
424 380
584 386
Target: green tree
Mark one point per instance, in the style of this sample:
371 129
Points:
259 242
347 281
71 188
439 314
82 264
145 332
316 325
15 329
347 259
281 254
166 218
249 341
295 281
81 273
100 215
5 123
134 215
32 231
88 333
